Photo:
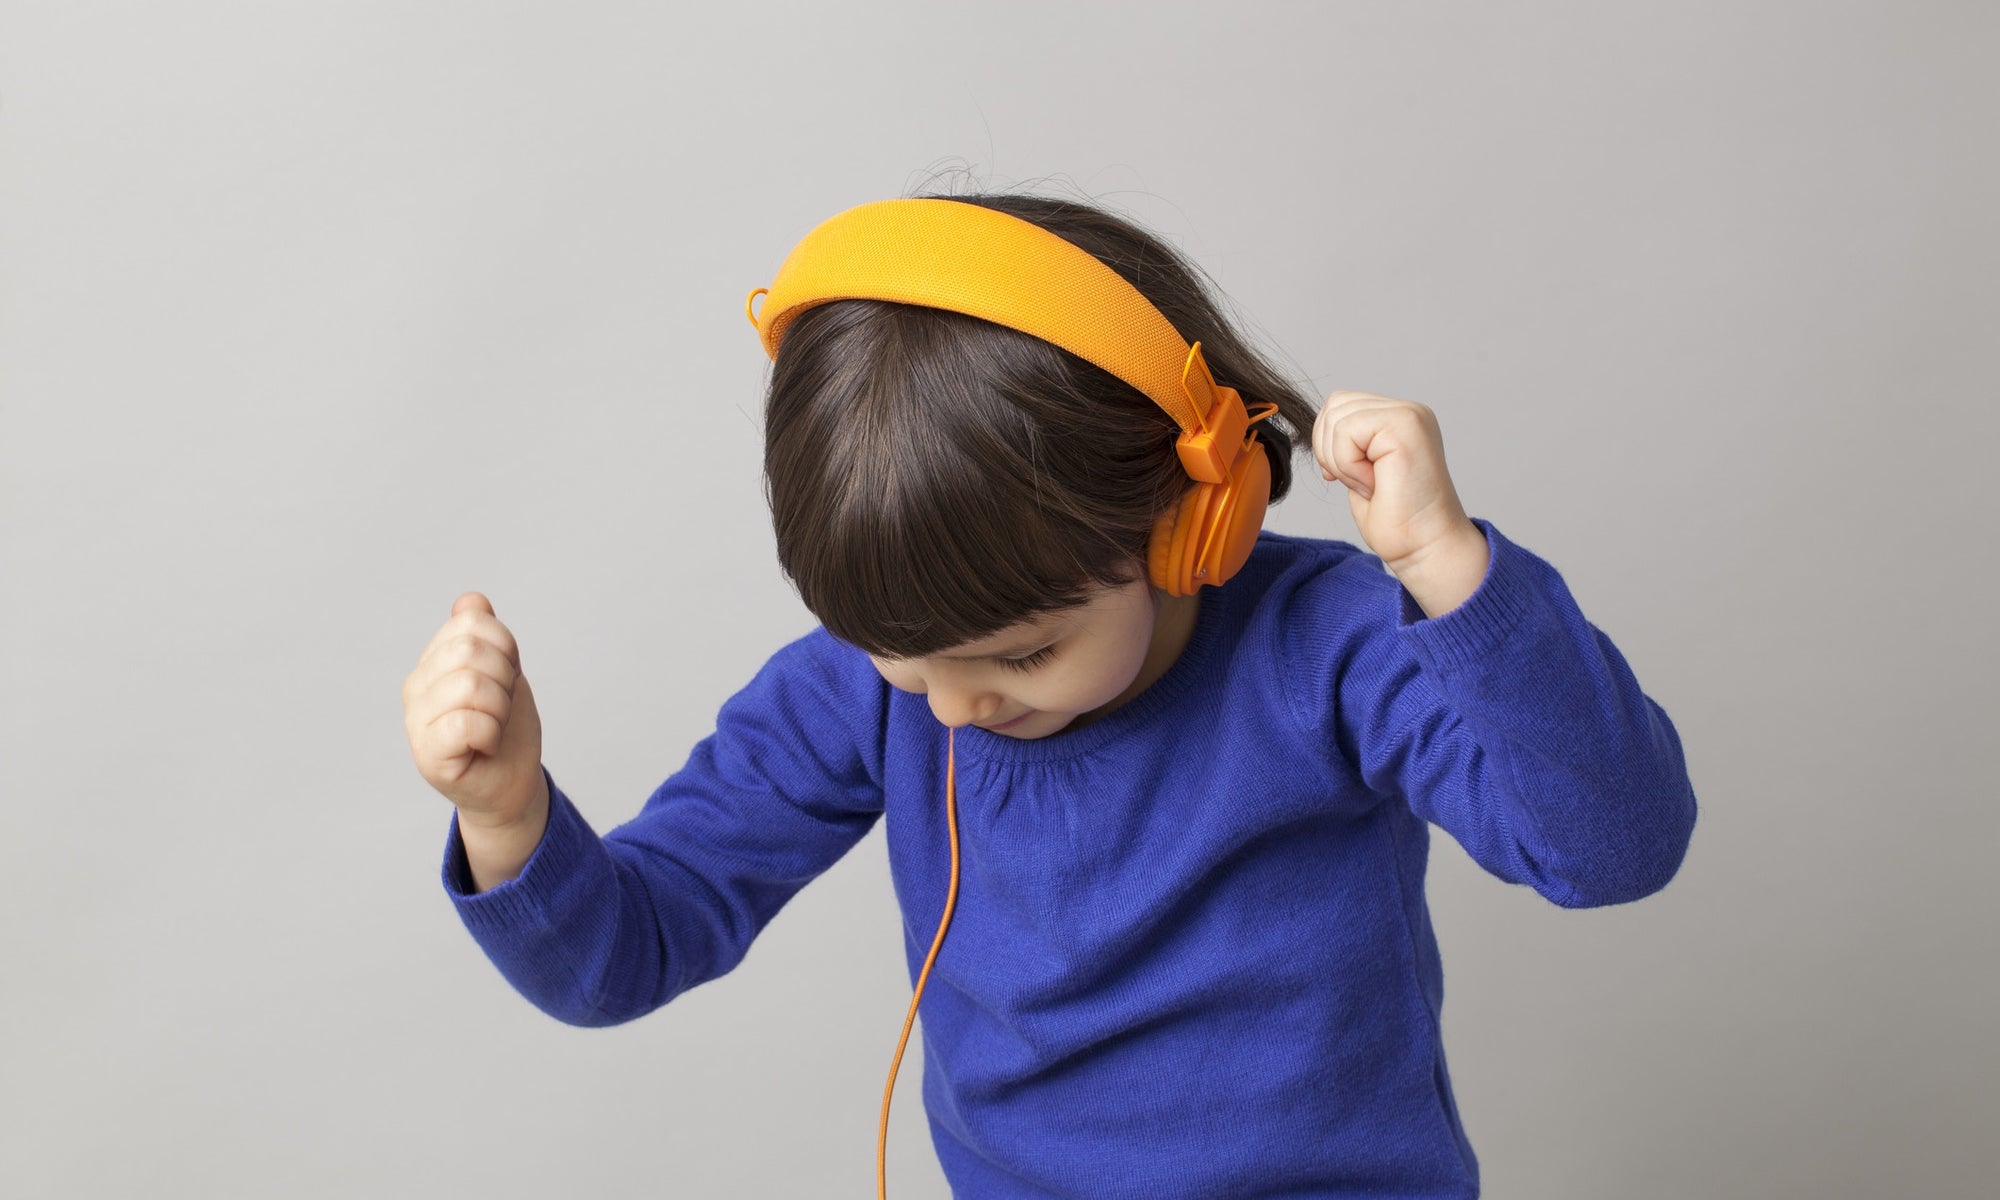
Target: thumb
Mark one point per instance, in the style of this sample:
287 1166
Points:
469 600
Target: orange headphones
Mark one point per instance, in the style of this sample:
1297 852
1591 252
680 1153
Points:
974 260
996 266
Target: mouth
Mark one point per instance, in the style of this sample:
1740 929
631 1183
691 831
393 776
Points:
1005 725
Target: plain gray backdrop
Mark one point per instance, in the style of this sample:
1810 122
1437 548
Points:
313 316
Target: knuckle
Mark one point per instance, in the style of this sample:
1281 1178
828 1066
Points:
470 683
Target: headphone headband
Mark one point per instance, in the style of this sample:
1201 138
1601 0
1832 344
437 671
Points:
975 260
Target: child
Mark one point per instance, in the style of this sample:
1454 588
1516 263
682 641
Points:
1176 879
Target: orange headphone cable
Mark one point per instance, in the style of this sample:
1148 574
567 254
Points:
950 901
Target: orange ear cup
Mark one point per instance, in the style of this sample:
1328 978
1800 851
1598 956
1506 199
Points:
1208 536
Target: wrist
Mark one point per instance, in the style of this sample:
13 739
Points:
1445 573
498 849
514 817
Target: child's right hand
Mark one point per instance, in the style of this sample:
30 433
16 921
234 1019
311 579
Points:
470 714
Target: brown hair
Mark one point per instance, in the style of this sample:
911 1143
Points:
935 478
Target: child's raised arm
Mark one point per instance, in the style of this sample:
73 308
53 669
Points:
1472 685
600 930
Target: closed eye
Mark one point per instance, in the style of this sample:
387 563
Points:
1029 663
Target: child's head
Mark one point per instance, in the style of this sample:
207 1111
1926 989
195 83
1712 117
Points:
936 479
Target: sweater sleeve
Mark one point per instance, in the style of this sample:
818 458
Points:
1510 721
601 930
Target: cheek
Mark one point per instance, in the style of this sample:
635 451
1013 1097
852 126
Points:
1097 679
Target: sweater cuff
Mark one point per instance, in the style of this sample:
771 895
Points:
530 898
1469 632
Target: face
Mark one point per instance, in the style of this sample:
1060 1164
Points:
1033 679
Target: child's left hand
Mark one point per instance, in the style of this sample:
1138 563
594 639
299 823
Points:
1390 455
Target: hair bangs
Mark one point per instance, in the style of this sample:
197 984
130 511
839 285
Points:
934 515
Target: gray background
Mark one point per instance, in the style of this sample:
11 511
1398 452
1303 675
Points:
316 315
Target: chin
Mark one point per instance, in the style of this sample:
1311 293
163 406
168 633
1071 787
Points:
1027 732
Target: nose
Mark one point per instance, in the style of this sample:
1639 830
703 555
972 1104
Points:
956 706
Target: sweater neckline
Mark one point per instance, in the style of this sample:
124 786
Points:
1137 713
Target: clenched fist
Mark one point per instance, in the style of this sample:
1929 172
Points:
474 730
1389 454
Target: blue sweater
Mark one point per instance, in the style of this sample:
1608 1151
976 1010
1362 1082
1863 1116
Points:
1191 955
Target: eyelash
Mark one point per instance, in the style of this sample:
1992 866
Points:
1031 662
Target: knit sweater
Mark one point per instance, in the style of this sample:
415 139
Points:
1191 955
